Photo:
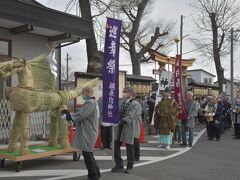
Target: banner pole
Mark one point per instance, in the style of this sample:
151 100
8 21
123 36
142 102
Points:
113 131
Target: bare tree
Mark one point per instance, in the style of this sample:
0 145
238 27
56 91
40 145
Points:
139 33
214 19
86 8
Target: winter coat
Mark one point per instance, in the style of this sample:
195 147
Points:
128 123
192 111
138 121
86 121
166 113
218 111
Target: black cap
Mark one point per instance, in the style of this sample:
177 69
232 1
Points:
167 89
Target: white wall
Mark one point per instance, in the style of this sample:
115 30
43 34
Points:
205 75
199 76
25 45
196 76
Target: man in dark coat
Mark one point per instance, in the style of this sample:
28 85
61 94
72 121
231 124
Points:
214 126
106 128
151 104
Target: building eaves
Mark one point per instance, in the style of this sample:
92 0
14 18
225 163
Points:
30 12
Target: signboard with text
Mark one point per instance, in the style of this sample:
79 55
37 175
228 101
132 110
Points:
111 72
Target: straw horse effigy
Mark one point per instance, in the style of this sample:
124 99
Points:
35 93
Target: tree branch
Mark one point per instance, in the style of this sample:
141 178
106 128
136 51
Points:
107 7
128 15
153 39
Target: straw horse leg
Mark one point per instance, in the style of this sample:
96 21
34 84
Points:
54 128
15 133
20 127
58 130
25 129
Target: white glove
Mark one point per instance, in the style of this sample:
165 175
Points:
64 117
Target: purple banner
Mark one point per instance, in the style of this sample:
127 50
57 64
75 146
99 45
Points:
111 72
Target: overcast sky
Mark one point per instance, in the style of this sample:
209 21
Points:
169 10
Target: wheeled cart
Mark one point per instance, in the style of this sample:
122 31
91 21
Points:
36 151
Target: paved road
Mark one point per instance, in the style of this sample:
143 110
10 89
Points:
205 160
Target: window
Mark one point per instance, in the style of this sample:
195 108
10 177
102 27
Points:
207 80
4 48
210 80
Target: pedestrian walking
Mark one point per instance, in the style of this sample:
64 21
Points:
214 125
227 113
236 111
202 102
208 111
106 128
137 130
165 118
177 135
124 132
86 120
151 103
191 107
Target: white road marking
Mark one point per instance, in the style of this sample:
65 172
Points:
63 174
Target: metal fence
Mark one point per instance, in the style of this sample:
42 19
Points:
38 123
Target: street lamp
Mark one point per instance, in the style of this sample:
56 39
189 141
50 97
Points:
177 41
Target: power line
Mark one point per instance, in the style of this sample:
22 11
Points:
194 49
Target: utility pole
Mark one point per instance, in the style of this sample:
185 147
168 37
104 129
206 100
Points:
67 59
59 63
181 35
232 78
184 84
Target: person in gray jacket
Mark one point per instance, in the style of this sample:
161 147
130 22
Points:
188 124
124 132
138 121
86 120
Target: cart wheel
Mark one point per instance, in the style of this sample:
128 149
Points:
76 156
2 163
18 166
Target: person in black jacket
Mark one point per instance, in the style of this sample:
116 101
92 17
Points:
227 113
214 126
151 103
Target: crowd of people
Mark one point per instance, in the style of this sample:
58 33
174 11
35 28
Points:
215 112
